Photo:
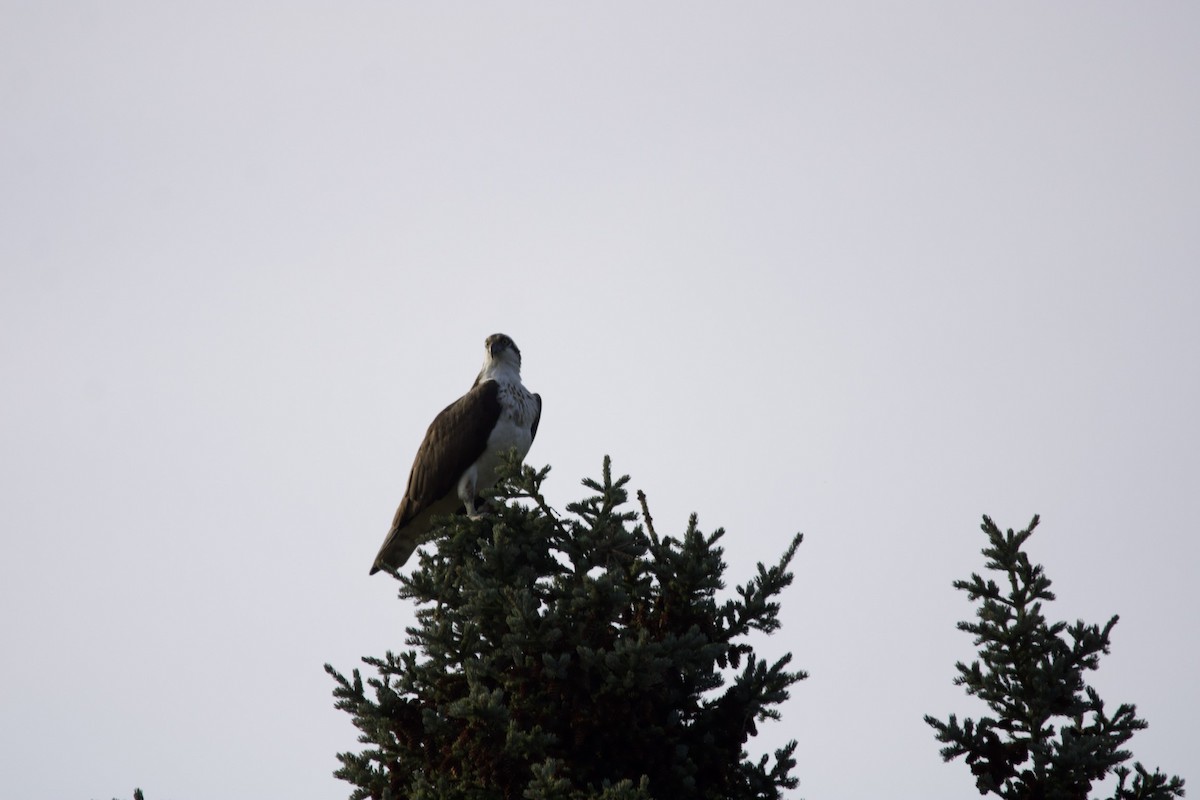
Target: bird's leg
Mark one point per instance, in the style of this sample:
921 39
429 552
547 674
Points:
467 494
472 512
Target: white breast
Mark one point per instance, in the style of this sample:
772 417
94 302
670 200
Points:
514 429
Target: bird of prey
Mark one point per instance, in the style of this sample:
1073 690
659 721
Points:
462 449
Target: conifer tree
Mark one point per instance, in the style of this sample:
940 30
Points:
570 657
1050 737
137 795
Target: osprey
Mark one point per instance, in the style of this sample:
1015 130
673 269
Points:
462 449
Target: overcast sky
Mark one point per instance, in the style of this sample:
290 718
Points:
863 270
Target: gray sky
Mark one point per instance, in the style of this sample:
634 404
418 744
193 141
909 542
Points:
862 270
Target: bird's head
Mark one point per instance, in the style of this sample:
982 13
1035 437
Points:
500 354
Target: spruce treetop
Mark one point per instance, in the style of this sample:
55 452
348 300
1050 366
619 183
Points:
1049 736
563 657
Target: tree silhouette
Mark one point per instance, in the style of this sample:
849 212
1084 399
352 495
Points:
577 656
1050 737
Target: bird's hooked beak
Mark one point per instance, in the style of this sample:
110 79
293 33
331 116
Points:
497 343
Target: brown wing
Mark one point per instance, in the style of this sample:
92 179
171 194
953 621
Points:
455 439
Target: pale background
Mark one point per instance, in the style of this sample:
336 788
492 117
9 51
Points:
865 270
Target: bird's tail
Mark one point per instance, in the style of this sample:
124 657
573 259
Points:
397 548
